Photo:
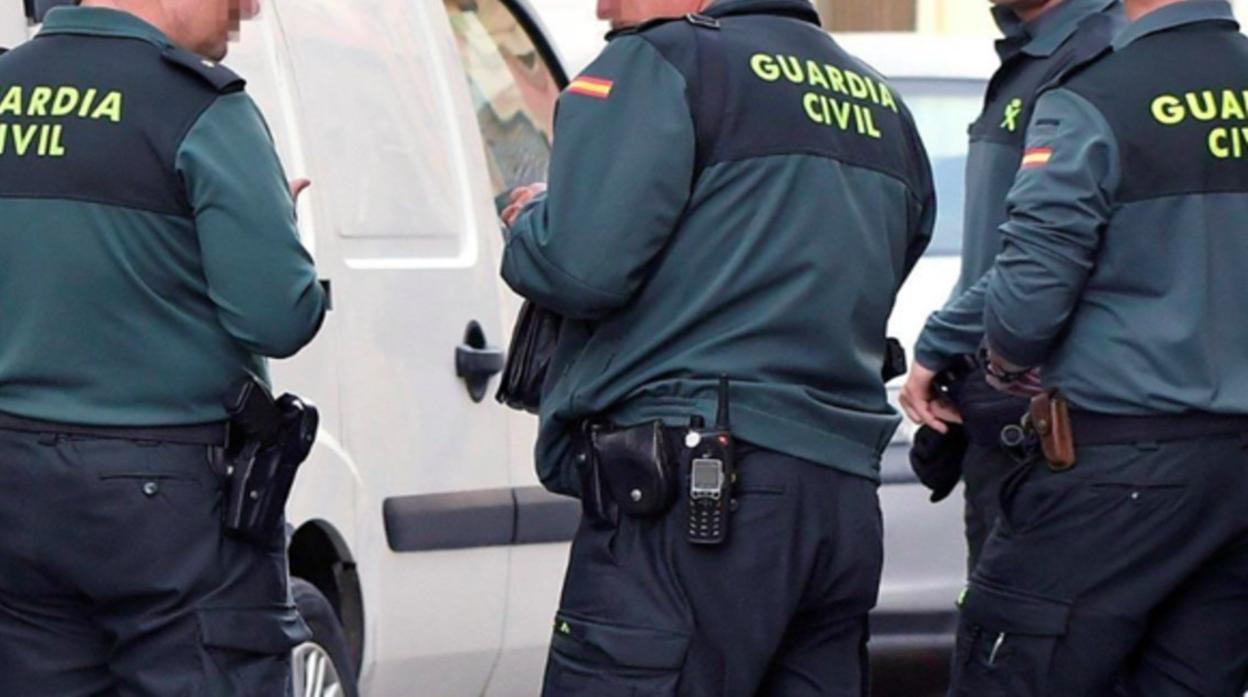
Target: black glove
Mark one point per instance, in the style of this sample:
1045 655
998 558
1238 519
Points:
937 459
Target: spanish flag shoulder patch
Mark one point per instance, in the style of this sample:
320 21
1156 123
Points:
1037 157
595 87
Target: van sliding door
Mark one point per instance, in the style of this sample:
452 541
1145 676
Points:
514 79
415 287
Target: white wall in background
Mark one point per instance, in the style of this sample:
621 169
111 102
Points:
576 30
955 18
578 34
12 25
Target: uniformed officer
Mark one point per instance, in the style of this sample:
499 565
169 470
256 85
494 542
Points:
730 194
1043 38
1122 276
148 260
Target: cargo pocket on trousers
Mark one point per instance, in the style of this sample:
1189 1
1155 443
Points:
594 659
1006 642
249 646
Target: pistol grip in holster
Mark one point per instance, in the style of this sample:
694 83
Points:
270 440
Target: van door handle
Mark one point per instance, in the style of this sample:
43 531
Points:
476 362
476 367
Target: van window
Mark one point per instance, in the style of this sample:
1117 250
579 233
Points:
372 100
513 91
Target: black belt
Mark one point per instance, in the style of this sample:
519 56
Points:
675 440
201 434
1109 429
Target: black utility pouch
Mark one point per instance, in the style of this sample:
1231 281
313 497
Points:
636 467
269 441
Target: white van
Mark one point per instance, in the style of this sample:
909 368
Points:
428 560
418 518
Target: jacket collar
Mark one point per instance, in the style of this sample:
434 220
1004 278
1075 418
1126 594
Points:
100 21
798 9
1174 16
1042 37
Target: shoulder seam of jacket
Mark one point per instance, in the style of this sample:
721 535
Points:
1118 153
180 143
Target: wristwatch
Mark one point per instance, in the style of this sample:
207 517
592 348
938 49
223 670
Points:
999 369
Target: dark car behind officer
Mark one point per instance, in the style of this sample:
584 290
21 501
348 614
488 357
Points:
1123 550
732 195
148 260
1043 38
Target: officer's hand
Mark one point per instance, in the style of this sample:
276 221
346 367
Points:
923 404
298 186
520 197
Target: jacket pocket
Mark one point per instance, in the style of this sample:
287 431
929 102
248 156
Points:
1006 642
598 659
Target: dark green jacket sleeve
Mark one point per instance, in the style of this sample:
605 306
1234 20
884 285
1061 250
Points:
1059 207
620 177
956 329
259 275
923 220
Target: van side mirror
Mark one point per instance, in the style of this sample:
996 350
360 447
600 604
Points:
36 10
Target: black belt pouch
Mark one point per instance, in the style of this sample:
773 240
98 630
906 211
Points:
636 467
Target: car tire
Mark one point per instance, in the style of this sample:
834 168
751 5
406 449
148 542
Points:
322 666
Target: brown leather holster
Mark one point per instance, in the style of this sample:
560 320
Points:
1050 419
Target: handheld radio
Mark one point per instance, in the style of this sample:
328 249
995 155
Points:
712 474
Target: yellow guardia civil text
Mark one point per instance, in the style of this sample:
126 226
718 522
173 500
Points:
32 119
837 98
1226 108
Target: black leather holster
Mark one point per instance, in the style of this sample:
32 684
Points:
270 439
630 469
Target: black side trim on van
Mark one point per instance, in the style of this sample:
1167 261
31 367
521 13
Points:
543 517
470 519
911 651
522 516
895 467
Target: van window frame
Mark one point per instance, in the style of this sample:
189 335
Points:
532 25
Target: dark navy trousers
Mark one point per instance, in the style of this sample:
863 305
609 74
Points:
984 471
1126 575
779 610
986 464
116 579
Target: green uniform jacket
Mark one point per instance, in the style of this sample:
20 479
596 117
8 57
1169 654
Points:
1123 271
1033 57
148 250
753 217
